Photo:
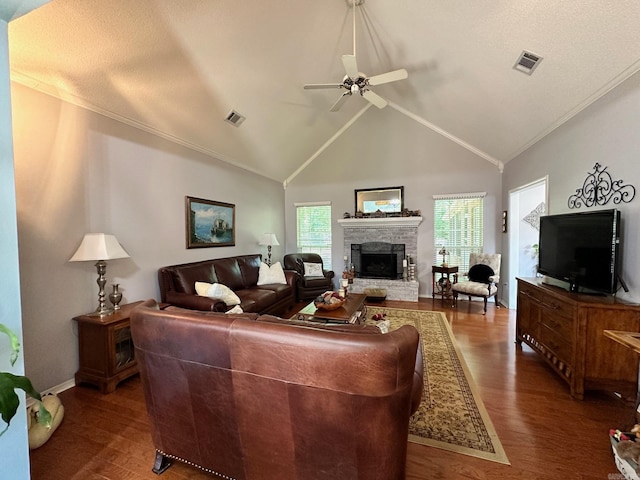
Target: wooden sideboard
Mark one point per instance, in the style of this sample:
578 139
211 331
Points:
566 329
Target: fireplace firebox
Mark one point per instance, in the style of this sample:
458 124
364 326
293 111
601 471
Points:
378 260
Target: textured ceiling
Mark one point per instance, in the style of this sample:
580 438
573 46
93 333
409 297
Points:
177 68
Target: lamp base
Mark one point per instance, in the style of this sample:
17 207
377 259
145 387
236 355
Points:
101 313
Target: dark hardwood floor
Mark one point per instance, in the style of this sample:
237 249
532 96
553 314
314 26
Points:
546 434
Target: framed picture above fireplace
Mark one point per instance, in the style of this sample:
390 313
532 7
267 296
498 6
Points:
386 200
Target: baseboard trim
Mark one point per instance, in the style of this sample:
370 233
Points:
61 387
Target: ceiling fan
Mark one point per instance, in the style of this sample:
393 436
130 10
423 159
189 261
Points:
355 81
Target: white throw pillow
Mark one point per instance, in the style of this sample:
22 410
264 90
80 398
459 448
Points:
217 291
268 275
313 270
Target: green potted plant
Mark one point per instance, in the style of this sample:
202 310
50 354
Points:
9 382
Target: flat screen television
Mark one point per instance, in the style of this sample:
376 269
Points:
582 249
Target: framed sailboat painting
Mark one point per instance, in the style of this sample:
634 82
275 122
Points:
209 223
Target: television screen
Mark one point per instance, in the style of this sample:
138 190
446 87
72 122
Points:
582 249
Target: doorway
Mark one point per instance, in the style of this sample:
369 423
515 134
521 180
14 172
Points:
526 205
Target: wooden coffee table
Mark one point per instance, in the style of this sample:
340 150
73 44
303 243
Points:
353 311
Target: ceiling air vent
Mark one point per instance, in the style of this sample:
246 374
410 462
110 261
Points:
527 62
234 118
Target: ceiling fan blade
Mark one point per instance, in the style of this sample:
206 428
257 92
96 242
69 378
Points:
388 77
313 86
350 66
374 98
336 106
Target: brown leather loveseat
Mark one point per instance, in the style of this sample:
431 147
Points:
240 274
247 397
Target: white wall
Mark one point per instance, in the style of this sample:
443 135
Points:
79 172
385 148
14 447
606 132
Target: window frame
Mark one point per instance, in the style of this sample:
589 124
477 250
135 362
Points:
466 235
322 248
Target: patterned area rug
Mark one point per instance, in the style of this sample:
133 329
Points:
451 415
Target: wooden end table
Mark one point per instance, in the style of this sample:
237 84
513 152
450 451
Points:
353 311
106 352
443 284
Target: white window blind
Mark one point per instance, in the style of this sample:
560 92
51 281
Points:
314 230
458 225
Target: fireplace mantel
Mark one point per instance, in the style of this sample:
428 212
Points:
380 222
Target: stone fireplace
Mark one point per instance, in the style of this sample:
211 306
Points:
386 243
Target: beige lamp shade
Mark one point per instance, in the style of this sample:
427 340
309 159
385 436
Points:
98 246
269 239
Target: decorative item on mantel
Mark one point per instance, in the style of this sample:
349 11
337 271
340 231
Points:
405 269
411 213
444 253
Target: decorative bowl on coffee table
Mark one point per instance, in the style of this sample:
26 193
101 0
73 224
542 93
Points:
329 306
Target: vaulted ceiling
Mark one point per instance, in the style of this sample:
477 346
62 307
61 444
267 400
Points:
178 67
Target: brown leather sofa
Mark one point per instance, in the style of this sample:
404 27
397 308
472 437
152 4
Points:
240 274
247 397
308 287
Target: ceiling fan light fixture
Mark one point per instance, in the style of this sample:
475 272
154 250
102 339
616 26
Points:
356 81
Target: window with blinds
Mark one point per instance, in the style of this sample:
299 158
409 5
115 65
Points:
314 230
457 225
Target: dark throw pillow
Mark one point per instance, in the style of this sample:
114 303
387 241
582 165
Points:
480 273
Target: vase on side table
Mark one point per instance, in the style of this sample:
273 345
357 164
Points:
115 297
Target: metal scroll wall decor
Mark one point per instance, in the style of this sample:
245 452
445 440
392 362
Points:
599 189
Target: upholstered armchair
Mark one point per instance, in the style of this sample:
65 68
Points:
483 275
313 279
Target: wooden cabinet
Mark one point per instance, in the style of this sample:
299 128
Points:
106 352
566 329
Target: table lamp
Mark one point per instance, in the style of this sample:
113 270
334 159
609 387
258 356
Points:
269 239
444 253
99 247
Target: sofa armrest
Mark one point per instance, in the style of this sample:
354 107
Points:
329 273
292 277
195 302
418 379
